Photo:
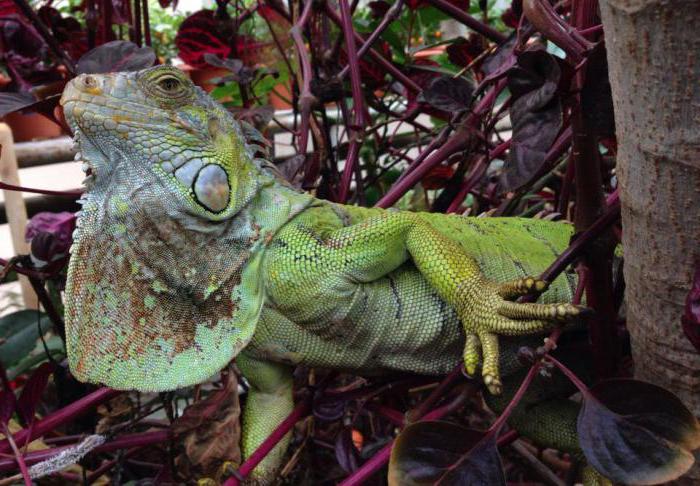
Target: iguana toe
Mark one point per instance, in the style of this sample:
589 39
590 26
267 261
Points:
472 353
522 286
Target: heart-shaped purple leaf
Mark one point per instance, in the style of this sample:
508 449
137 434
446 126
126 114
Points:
449 94
634 432
446 454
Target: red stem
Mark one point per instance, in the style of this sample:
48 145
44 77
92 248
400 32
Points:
18 457
408 83
609 217
270 442
349 169
25 271
62 416
127 441
475 175
434 143
570 375
461 16
11 187
306 98
459 141
388 18
358 107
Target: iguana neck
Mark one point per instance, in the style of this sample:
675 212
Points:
181 252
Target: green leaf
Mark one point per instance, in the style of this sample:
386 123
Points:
20 332
430 17
16 321
38 355
637 433
446 454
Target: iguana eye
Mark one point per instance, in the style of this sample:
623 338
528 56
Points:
169 84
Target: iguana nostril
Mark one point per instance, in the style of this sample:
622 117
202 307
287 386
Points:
211 188
90 82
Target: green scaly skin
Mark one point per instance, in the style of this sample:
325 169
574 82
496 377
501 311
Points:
190 251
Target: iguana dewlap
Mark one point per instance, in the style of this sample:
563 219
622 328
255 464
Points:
190 250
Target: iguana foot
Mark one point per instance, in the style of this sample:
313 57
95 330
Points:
489 312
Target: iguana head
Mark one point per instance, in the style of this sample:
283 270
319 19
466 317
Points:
157 119
157 295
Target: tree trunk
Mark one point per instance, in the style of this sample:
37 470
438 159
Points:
654 61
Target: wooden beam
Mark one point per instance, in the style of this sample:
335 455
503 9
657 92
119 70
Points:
14 208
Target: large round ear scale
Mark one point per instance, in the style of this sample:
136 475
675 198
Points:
211 188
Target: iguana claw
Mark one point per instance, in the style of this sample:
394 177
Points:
492 312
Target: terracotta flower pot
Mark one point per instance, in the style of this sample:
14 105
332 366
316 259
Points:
31 126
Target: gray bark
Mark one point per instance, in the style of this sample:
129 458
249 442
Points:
654 60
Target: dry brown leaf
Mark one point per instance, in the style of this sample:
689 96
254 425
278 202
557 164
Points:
209 432
117 410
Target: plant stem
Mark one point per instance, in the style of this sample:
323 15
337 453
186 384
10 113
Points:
18 456
408 83
300 411
388 18
358 122
62 416
306 98
460 16
462 139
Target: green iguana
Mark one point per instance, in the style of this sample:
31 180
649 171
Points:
191 251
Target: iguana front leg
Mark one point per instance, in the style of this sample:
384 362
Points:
268 403
371 248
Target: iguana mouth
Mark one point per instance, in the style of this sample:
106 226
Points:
87 167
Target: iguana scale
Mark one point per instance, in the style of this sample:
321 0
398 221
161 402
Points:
191 251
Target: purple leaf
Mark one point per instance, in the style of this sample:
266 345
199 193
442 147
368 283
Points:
8 403
233 65
67 31
116 56
10 102
25 55
691 317
463 51
50 236
329 410
345 451
449 94
379 8
637 433
535 113
444 453
121 12
32 391
501 60
258 116
239 72
291 169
